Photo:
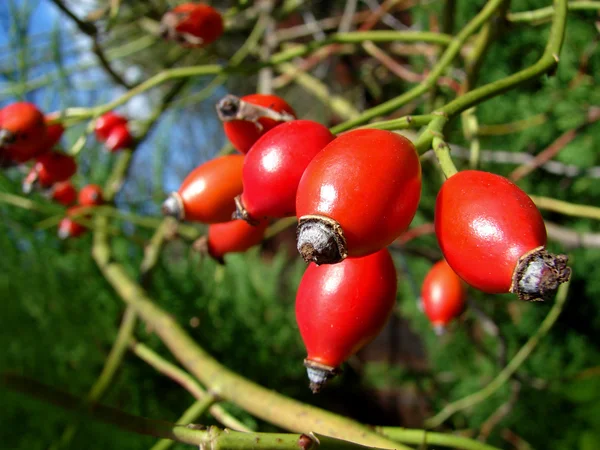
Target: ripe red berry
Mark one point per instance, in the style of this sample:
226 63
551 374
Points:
90 195
192 24
64 193
68 227
105 124
274 166
246 119
235 236
49 168
357 195
342 307
22 131
493 237
208 192
119 138
443 294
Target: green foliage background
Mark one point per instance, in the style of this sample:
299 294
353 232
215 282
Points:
59 317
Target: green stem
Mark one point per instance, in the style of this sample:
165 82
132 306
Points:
542 14
546 63
447 57
213 438
442 153
402 123
190 415
259 401
510 369
430 438
187 382
278 58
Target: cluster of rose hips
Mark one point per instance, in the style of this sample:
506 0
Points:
353 195
29 136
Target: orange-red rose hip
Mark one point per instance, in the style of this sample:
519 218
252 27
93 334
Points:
357 195
493 237
342 307
192 24
208 193
248 118
274 166
443 294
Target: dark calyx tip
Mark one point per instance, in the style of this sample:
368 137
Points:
228 107
173 207
7 137
241 213
319 374
539 274
321 240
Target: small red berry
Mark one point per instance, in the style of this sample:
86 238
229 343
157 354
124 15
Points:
69 228
50 168
119 138
207 194
192 24
444 295
90 195
105 124
22 131
64 193
54 132
235 236
274 166
342 307
357 195
248 118
493 237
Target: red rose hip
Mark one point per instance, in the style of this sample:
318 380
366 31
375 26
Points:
22 131
90 195
105 124
357 195
274 166
248 118
493 237
64 193
342 307
49 168
443 294
208 193
192 24
119 138
235 236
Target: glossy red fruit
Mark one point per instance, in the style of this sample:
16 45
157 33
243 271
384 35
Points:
208 192
443 294
64 193
235 236
68 227
90 195
119 138
248 118
493 237
53 134
22 131
105 124
192 24
357 195
342 307
274 166
50 168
